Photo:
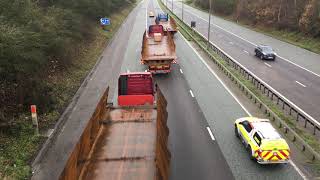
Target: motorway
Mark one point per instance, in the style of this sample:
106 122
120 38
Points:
201 112
295 74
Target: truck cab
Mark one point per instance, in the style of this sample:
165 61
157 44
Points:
135 89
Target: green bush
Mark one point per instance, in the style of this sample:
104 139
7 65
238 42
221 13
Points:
33 34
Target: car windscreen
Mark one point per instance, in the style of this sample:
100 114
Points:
267 49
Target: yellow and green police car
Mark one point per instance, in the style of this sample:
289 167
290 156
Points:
264 143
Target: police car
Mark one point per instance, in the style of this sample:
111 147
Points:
263 142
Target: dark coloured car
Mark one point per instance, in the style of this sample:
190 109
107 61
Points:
265 52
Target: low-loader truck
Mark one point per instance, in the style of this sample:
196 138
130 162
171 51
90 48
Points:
158 50
168 23
124 141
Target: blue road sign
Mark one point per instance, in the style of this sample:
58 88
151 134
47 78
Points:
105 21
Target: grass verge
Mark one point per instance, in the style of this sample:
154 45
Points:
19 145
307 136
292 37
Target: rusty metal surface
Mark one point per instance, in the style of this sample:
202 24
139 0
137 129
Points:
163 50
132 144
126 147
169 25
54 155
122 143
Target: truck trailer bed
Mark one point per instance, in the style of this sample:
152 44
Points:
155 51
121 142
126 146
169 26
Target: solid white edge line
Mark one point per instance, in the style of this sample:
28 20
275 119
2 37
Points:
256 45
181 71
209 68
191 93
267 85
301 84
298 170
291 162
205 63
210 133
267 64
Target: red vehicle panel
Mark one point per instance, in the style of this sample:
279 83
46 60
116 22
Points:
135 89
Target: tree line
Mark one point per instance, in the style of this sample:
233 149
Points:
295 15
34 34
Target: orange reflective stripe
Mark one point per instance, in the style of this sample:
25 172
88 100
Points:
284 154
270 157
278 157
266 154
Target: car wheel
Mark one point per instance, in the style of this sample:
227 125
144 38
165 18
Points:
250 152
261 57
236 132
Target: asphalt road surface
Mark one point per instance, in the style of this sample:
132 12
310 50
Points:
295 73
201 115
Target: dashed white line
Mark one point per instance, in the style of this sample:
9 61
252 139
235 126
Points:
255 45
291 162
301 84
210 133
210 69
268 65
231 43
191 93
181 71
128 70
245 51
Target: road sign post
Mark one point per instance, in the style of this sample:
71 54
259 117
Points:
34 117
105 22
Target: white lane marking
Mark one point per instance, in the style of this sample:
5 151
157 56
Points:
301 84
205 63
245 51
128 70
268 65
210 133
231 43
298 170
145 70
271 88
191 93
291 162
256 45
181 71
209 68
